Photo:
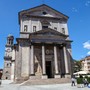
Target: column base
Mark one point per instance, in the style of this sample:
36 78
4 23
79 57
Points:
57 76
32 76
44 76
67 76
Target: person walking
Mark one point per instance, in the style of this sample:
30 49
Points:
73 81
85 81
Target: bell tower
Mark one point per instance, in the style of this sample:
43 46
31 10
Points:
8 57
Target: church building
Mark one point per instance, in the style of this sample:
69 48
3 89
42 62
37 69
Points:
43 49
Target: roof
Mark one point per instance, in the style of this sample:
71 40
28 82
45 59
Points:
43 5
10 35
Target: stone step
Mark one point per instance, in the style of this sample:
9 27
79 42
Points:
47 81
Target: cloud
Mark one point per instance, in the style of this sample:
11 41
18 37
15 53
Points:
87 3
88 53
74 9
86 45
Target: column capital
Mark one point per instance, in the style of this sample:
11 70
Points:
64 44
43 44
55 44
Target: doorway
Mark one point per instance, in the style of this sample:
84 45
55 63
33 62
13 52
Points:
49 69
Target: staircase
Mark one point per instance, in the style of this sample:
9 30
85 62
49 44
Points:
46 81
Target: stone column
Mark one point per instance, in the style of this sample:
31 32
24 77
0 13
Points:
32 61
66 62
56 63
32 73
43 63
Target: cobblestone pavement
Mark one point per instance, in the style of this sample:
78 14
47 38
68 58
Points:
41 87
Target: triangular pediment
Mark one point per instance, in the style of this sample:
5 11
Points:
43 10
49 33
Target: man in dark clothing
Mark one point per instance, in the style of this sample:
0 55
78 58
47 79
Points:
85 81
73 81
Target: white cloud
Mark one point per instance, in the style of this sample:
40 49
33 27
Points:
87 3
88 53
86 45
74 9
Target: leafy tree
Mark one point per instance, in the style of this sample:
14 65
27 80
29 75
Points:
77 66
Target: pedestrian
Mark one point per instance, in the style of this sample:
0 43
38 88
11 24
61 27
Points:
73 81
85 81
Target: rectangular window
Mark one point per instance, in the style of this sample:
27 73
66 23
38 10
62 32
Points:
25 28
55 28
44 27
63 30
34 28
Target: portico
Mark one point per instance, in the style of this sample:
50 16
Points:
44 55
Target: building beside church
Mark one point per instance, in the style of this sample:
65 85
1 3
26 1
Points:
85 64
43 49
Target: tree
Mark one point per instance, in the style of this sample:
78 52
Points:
77 66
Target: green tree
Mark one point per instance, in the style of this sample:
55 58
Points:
77 66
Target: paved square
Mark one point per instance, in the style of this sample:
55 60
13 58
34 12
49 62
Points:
41 87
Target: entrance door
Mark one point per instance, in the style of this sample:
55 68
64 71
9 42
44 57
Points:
48 69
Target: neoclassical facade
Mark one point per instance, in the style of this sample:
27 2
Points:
43 49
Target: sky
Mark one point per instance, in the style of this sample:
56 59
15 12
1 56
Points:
78 22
